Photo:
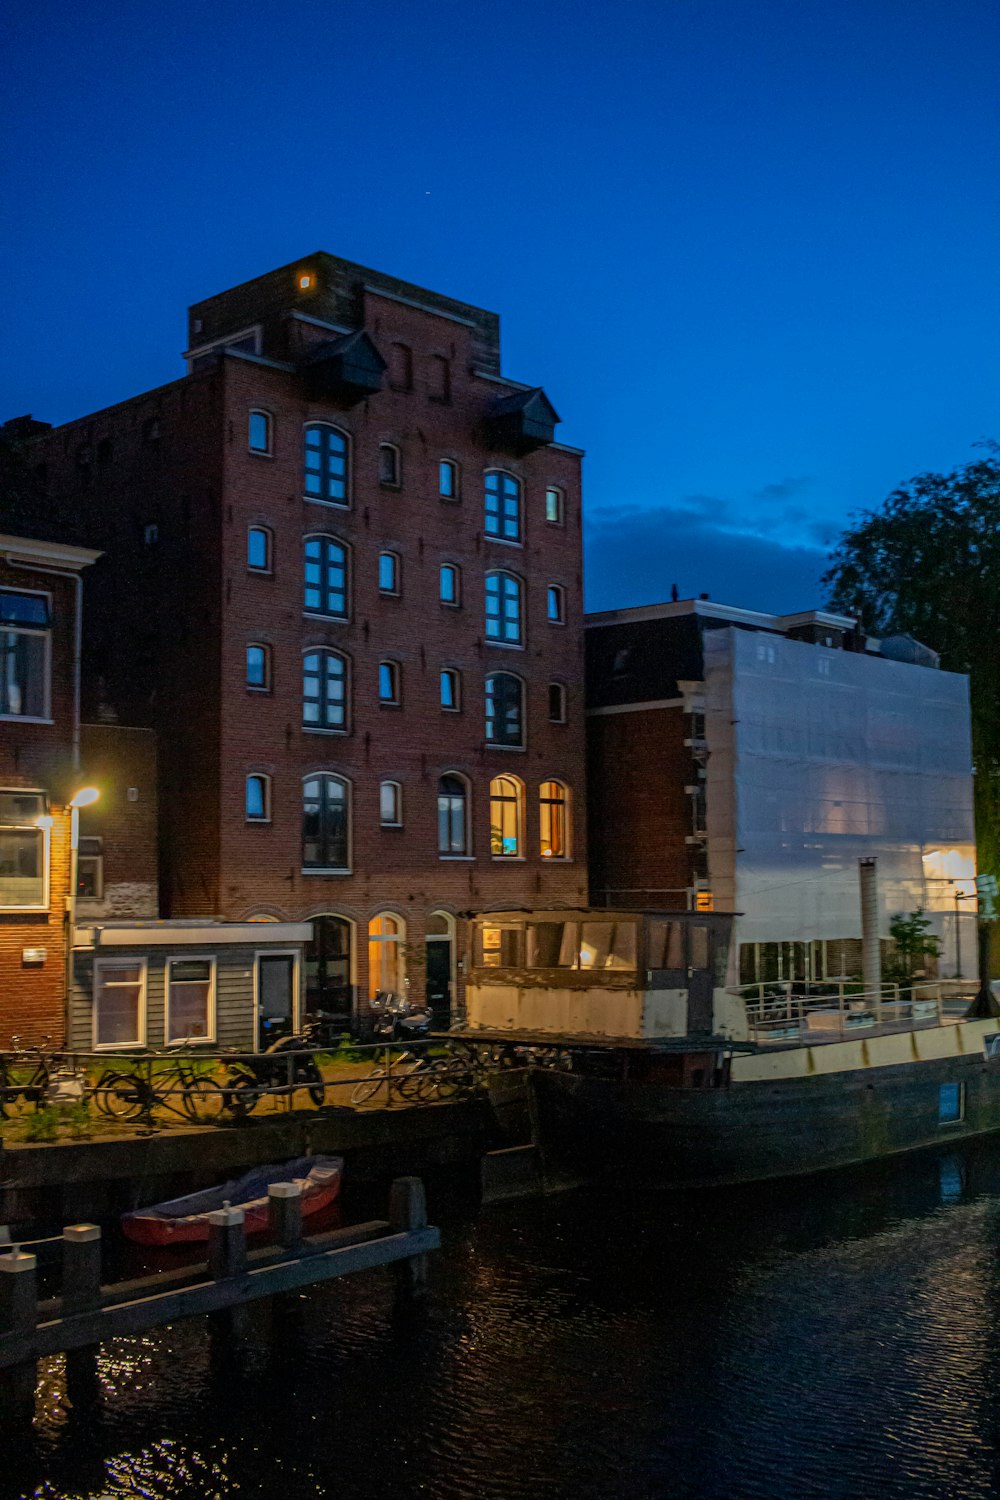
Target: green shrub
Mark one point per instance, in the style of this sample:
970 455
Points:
41 1125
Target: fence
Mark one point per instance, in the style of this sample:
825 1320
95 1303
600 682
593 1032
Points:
838 1008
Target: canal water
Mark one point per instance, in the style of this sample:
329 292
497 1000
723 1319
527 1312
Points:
836 1337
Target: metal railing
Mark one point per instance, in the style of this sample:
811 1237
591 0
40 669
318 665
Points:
783 1011
201 1085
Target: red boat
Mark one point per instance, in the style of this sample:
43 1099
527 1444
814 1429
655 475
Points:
185 1220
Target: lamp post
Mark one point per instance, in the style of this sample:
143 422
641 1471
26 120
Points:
85 797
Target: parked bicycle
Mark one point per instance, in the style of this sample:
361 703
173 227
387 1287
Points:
414 1077
134 1088
24 1076
288 1061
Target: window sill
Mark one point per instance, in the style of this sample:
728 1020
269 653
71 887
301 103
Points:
508 859
390 594
392 827
308 614
389 484
118 1046
313 871
262 692
24 719
319 729
506 645
257 822
505 541
333 504
26 911
386 704
259 572
446 710
510 749
457 859
259 453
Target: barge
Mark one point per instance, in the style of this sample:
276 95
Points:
668 1074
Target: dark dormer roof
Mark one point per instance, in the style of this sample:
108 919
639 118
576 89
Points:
524 419
347 368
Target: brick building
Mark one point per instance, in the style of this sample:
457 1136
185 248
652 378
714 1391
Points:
40 612
343 584
745 762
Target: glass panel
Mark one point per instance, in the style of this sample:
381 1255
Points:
190 992
389 802
698 938
23 609
544 945
23 673
256 666
500 947
447 690
596 940
257 548
387 573
553 505
21 807
256 797
259 432
446 479
117 1005
623 950
22 867
449 582
665 943
387 681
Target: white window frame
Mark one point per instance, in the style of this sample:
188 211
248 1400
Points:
119 962
45 829
261 411
211 1020
397 821
45 631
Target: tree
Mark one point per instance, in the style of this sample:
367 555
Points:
914 942
928 564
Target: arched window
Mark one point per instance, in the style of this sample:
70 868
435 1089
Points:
506 817
326 577
386 955
324 690
259 434
259 549
390 804
390 465
555 604
504 609
258 799
503 506
389 570
453 814
259 667
555 510
449 584
448 479
328 969
553 815
326 803
326 464
504 709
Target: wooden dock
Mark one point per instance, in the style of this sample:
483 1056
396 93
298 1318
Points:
87 1313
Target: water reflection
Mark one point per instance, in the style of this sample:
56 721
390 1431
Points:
828 1338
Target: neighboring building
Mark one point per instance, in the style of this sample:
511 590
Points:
745 762
40 612
117 860
343 584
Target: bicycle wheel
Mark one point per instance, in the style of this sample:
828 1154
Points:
120 1096
368 1087
310 1076
202 1099
242 1097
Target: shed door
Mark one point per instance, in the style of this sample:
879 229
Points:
701 982
275 997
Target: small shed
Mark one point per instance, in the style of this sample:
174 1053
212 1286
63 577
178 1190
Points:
161 984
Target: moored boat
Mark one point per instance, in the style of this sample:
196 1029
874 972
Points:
674 1078
185 1220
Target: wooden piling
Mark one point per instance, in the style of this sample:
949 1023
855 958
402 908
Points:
284 1211
407 1212
81 1293
18 1318
227 1258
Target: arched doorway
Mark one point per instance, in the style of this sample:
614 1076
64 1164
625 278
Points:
330 968
386 955
440 966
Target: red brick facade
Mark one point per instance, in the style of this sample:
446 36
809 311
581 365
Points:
175 607
37 756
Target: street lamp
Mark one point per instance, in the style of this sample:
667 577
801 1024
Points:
85 797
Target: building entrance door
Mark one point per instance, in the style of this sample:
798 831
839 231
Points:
275 997
329 981
701 977
438 990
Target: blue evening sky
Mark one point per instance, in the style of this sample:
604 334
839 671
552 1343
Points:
749 247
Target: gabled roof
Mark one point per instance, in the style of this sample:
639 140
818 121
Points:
532 403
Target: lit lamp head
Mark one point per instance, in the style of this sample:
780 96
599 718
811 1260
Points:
85 797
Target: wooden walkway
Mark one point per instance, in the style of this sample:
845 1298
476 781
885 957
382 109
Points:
88 1313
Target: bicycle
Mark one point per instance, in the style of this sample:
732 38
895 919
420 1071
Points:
415 1078
251 1078
133 1094
20 1091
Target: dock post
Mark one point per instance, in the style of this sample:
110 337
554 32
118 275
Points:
284 1213
408 1211
19 1317
81 1292
227 1257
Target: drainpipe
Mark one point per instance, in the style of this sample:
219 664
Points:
871 956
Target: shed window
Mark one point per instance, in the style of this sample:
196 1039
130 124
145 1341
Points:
189 999
118 1004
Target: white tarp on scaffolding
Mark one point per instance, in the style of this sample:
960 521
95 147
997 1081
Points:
819 757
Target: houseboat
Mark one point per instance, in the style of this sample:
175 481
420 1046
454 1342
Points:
667 1072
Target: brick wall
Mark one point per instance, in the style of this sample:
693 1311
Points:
121 763
640 814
